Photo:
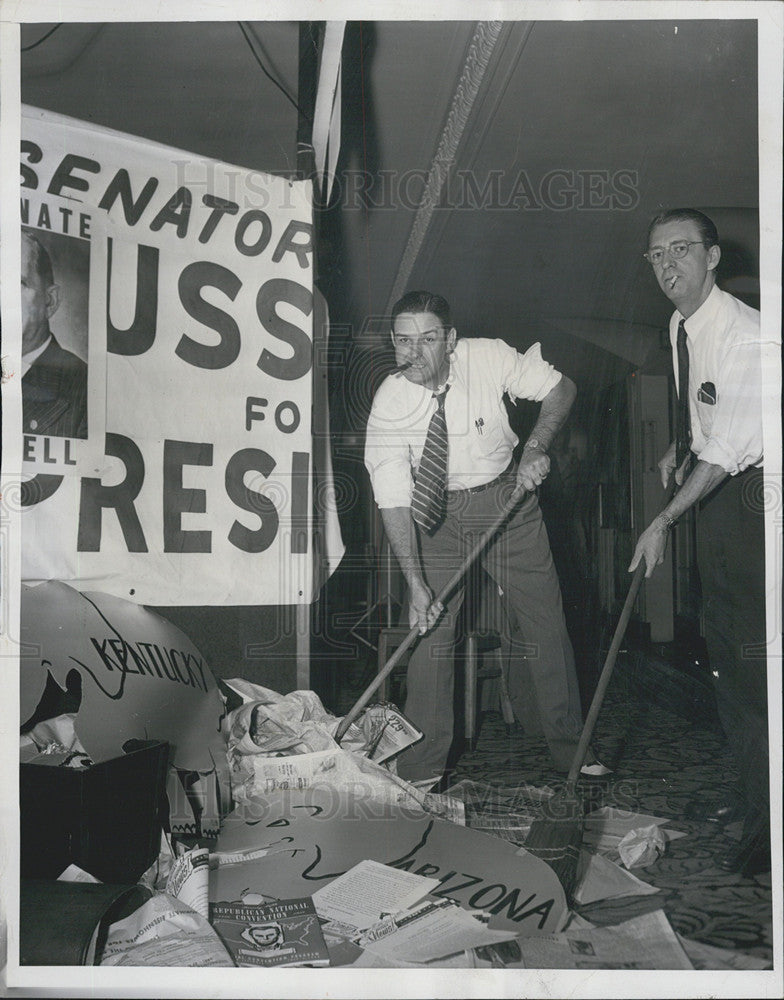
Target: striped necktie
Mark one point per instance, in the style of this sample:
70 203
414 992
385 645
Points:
683 421
427 502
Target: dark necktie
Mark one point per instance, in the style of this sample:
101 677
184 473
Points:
683 423
427 502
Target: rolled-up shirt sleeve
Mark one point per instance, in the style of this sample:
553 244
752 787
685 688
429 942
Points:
526 376
733 425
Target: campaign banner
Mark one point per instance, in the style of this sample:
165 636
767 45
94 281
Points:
171 463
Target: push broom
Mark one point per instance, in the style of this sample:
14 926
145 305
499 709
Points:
442 595
556 836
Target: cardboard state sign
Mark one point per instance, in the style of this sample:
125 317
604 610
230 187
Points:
310 838
142 678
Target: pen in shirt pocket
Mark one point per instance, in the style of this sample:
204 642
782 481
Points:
479 424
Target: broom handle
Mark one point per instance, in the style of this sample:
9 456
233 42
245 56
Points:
609 663
442 595
604 677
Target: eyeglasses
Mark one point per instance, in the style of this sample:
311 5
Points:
676 250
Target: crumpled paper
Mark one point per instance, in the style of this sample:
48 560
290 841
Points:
298 723
641 846
56 736
165 932
271 723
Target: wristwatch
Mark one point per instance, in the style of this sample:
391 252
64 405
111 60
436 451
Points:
533 443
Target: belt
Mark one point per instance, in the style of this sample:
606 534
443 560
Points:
508 471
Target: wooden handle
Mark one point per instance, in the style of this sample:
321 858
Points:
604 677
442 595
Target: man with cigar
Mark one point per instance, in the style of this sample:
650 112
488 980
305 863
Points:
439 453
718 363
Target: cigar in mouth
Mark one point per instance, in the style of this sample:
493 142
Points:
402 368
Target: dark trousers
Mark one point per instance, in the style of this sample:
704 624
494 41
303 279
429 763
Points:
731 559
520 563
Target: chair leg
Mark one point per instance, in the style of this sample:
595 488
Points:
470 690
506 705
382 659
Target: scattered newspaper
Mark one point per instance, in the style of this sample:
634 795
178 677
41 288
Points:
188 880
223 858
380 732
165 932
297 723
501 811
645 942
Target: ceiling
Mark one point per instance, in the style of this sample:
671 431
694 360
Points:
562 139
594 126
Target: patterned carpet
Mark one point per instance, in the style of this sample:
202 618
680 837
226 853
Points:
662 765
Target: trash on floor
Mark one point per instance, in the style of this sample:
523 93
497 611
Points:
642 846
282 934
644 942
605 828
298 723
599 878
165 932
431 930
362 895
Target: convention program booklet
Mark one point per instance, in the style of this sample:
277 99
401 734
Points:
285 933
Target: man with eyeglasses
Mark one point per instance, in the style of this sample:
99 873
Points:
719 370
466 380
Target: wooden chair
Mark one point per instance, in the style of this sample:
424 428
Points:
477 644
388 641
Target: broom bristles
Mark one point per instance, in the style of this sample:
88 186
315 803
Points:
555 838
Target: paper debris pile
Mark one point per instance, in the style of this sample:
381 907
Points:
165 932
255 778
383 910
374 915
296 723
171 929
280 742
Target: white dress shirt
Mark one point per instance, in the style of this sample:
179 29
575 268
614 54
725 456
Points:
28 359
725 381
480 438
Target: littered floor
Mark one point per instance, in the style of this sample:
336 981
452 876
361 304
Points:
662 765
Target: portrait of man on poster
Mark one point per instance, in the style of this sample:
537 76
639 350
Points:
54 379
